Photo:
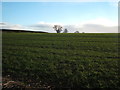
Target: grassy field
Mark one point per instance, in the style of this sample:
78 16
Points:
62 60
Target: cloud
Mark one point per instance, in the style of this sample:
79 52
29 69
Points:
5 25
100 21
44 26
99 25
2 24
94 28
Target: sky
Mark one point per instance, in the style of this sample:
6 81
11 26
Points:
89 17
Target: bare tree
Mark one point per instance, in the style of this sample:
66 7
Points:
76 32
58 28
65 31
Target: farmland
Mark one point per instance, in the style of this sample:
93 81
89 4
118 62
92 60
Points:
78 60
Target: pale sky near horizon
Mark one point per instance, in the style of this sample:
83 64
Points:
88 17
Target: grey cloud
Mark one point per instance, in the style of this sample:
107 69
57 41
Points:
94 28
1 23
12 26
42 27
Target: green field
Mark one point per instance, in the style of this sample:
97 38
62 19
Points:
62 60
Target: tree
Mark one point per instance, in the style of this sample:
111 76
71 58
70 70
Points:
76 32
65 31
57 28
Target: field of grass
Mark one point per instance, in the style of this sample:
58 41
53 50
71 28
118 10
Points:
62 60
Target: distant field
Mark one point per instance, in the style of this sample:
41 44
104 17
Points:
62 60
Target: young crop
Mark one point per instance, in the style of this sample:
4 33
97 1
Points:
62 60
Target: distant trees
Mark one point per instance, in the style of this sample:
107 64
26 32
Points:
58 28
76 32
65 31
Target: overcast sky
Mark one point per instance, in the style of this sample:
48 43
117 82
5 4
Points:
89 17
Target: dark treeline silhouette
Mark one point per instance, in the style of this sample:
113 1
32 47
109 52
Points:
10 30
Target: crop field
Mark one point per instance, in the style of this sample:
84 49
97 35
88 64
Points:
74 60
